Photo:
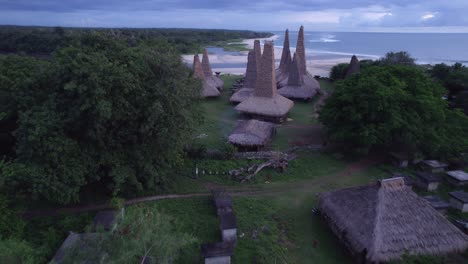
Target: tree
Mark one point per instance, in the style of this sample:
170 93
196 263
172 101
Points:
394 107
338 72
102 113
397 58
143 235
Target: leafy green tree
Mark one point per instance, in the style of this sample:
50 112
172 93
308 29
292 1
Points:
338 72
13 250
397 58
394 107
104 113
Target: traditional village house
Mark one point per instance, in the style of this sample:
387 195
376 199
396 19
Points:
354 67
427 181
433 166
265 103
87 245
209 90
249 82
252 135
208 72
296 88
400 159
457 178
381 222
309 85
459 200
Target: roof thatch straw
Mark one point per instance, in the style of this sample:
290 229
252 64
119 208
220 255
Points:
300 50
382 221
265 100
283 70
258 52
299 86
250 80
209 87
211 79
354 67
252 133
197 68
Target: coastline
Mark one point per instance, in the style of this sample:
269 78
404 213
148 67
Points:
236 62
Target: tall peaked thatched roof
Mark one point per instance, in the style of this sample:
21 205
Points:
354 67
206 64
258 51
197 68
286 55
266 86
295 77
252 133
300 50
251 72
265 101
384 220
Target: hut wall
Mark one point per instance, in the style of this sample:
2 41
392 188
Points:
463 207
229 235
218 260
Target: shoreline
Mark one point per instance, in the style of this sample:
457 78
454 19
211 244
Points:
220 61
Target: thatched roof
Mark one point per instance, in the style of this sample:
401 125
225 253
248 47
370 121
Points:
354 67
209 85
265 100
299 86
434 164
252 133
227 221
197 68
251 72
241 95
258 52
208 72
387 219
107 219
458 175
300 50
283 70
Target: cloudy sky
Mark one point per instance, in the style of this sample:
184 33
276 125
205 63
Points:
316 15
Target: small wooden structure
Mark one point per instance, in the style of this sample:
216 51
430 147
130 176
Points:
222 201
433 166
108 219
427 181
399 159
437 203
217 253
228 227
252 135
459 200
383 221
457 178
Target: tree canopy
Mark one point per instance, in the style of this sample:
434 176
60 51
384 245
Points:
394 107
99 112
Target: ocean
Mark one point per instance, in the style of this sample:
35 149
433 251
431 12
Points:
426 48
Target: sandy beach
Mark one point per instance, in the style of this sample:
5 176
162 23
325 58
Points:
236 62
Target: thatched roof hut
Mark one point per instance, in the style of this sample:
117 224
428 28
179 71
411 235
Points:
297 87
107 219
266 103
84 243
382 221
209 88
252 134
354 67
258 52
250 80
208 72
310 83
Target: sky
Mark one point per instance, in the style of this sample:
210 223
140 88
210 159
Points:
267 15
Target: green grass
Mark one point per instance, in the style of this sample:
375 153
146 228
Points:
232 45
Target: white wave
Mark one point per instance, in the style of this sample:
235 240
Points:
344 53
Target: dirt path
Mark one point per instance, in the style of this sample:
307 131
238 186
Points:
245 190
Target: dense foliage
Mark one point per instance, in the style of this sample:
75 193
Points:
144 236
394 107
455 79
98 113
44 40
